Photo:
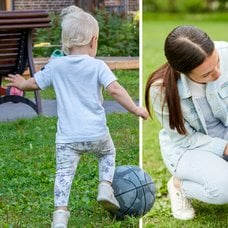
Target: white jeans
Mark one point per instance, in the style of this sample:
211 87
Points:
204 176
67 158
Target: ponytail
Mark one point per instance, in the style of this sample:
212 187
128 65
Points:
169 78
172 99
158 74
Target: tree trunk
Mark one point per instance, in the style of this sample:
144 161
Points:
2 5
89 5
172 6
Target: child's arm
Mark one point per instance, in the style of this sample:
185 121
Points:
123 98
21 83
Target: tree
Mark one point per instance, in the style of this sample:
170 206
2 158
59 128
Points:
2 5
172 6
90 5
222 4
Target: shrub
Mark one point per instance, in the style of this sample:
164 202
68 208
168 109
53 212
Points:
119 35
192 6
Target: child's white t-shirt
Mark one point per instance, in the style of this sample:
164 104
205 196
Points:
77 81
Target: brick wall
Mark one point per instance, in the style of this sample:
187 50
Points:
51 5
57 5
133 5
112 2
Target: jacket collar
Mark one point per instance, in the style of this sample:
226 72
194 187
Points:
183 88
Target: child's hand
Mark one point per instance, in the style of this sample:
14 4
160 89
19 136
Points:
15 80
21 83
142 112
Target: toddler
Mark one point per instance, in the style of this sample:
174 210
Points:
77 79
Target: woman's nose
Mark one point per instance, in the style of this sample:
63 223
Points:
216 73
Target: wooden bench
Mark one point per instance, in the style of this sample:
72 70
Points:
16 41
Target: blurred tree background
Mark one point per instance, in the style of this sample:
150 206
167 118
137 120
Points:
190 6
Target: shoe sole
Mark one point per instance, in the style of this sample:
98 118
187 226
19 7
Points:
58 226
183 218
107 205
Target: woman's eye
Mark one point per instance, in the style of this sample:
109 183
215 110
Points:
206 75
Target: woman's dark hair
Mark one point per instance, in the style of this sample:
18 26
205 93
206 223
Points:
186 47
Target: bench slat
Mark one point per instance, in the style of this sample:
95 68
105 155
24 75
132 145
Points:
25 26
23 14
8 62
7 58
8 55
14 45
9 41
24 21
9 50
6 66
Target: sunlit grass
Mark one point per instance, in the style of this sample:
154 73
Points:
27 171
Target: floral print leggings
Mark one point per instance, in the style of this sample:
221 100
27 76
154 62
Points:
67 158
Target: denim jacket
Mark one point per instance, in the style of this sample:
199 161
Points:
172 144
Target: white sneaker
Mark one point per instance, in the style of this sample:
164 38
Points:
60 219
106 197
180 205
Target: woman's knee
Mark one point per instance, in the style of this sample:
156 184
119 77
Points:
217 191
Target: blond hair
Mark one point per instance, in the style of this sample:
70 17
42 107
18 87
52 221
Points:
78 28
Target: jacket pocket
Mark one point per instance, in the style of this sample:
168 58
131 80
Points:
223 92
190 114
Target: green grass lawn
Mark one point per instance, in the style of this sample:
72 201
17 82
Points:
27 171
155 30
27 168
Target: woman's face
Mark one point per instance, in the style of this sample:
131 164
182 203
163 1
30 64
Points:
208 71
